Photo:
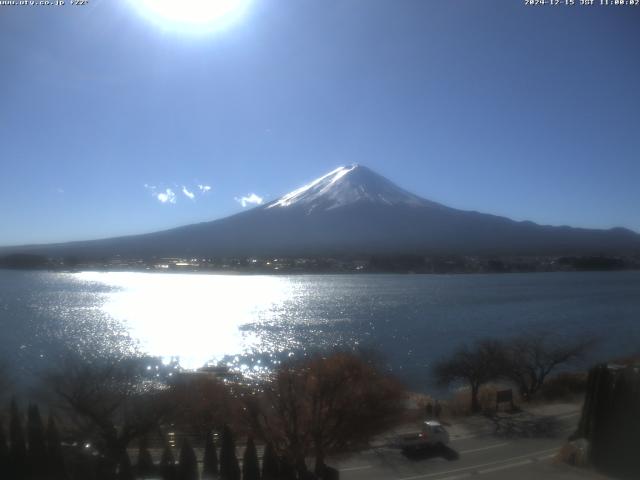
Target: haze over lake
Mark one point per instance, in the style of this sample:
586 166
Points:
251 321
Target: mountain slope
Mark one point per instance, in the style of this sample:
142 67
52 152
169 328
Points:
353 210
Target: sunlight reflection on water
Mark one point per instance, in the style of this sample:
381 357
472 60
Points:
251 323
198 318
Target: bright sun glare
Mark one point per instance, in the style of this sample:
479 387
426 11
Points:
195 16
207 319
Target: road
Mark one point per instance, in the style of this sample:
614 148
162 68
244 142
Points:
483 455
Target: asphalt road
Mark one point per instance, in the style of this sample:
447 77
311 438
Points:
482 455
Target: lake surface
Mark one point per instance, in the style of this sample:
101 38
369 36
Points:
250 322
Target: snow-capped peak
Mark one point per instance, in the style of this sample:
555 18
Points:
344 186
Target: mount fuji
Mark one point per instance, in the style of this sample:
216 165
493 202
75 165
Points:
353 211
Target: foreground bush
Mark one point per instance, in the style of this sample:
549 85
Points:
610 419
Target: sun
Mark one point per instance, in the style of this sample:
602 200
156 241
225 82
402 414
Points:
192 16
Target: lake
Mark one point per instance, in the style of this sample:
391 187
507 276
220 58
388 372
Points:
250 322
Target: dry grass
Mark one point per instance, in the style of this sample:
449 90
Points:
456 406
628 360
416 407
460 404
565 387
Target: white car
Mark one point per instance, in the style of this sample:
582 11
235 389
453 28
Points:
433 434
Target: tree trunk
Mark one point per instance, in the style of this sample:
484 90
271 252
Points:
320 465
525 393
475 404
301 468
115 450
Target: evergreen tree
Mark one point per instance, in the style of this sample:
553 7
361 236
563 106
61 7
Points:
270 470
37 446
229 468
4 454
188 467
145 465
250 466
90 468
167 464
125 470
55 458
287 472
210 461
18 448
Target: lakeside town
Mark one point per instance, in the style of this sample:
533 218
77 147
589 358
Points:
406 263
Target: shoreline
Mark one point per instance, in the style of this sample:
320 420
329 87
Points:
295 272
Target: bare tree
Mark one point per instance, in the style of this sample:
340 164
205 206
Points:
110 402
475 365
531 358
325 405
206 403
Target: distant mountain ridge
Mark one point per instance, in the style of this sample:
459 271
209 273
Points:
353 211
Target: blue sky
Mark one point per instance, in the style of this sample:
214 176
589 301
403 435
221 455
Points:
527 112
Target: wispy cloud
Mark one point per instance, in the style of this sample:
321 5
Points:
163 196
187 193
168 196
171 195
251 199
